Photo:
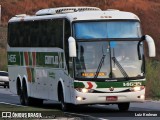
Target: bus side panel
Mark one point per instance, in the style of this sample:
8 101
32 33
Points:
67 84
13 79
14 73
41 83
54 77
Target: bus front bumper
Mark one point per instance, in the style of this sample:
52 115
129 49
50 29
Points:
109 98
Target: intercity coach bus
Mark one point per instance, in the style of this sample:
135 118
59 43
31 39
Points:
78 56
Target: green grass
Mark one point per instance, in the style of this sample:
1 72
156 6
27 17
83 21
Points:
7 107
153 79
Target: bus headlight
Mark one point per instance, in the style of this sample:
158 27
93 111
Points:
84 90
137 88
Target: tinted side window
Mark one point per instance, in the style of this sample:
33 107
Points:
43 33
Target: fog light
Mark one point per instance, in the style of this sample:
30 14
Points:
142 97
137 88
79 98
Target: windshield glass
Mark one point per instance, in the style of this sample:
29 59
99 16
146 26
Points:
107 29
104 59
90 57
125 52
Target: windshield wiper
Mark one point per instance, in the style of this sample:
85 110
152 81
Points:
120 67
99 66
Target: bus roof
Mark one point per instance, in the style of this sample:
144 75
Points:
76 14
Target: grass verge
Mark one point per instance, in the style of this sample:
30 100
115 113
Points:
153 79
32 112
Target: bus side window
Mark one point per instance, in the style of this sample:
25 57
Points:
58 32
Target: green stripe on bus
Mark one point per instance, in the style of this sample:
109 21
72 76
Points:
43 59
49 59
22 59
112 84
119 84
30 58
79 85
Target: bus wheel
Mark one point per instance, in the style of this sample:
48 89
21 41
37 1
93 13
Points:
64 106
123 106
28 100
21 97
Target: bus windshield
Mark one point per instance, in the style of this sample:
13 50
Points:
90 57
104 59
107 29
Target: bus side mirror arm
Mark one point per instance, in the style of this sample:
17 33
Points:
72 47
151 46
138 49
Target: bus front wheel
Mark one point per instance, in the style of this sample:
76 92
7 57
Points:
124 106
63 104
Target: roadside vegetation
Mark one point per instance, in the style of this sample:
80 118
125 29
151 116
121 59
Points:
3 43
3 60
153 79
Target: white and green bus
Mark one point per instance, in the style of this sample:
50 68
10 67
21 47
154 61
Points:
78 56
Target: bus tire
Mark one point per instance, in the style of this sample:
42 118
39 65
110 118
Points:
28 100
63 104
124 106
21 97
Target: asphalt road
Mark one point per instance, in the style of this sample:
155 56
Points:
137 111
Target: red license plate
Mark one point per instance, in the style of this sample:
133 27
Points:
111 98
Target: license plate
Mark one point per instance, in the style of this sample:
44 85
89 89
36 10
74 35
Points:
111 98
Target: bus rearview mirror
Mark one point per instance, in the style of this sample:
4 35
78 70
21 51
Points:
151 46
72 47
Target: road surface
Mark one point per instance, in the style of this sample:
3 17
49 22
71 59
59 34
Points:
137 111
